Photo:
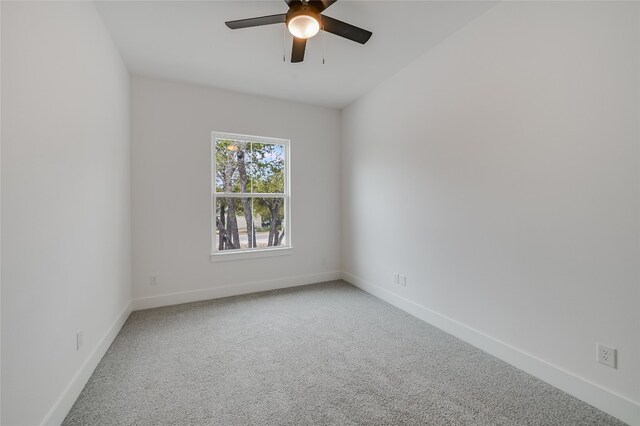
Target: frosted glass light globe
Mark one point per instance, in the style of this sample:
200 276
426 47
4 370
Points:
303 26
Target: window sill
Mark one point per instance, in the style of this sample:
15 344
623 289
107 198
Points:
250 254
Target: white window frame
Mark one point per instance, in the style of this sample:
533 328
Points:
254 252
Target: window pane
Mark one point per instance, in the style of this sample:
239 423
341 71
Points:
267 167
234 224
270 223
243 167
233 166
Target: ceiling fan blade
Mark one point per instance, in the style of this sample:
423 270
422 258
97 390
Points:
321 4
297 52
256 22
345 30
293 2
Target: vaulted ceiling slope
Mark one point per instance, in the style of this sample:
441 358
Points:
188 41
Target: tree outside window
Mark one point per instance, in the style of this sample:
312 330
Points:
250 196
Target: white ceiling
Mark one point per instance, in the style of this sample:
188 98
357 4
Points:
188 41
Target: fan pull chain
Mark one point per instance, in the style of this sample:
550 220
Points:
284 41
324 52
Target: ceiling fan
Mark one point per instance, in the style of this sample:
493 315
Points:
304 19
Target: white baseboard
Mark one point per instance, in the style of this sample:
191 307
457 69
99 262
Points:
61 408
608 401
231 290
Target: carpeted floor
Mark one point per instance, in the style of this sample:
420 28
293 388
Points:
320 354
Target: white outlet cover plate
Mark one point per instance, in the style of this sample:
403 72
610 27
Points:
607 355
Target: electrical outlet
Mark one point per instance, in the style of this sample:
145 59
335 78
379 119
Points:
79 340
403 280
324 261
396 278
152 280
607 355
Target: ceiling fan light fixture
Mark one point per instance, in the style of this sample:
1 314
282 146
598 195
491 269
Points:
303 21
303 26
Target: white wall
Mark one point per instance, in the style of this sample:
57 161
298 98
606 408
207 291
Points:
65 203
500 173
171 137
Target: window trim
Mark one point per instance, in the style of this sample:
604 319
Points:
256 252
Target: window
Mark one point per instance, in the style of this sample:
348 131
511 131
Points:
250 194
